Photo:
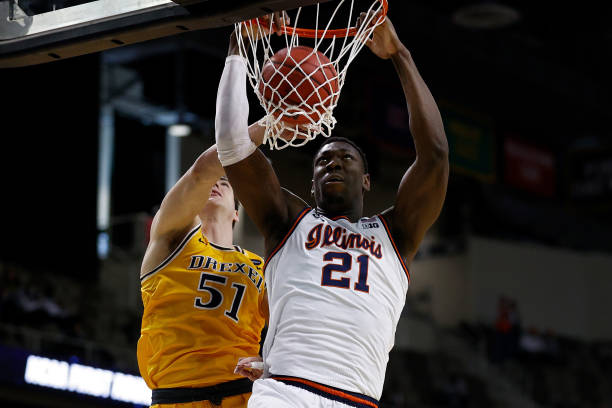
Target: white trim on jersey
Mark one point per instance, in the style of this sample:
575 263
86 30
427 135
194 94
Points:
172 255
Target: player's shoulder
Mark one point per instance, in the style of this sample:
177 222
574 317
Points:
162 250
257 260
372 222
373 225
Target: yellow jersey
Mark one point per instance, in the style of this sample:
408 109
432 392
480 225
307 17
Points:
203 309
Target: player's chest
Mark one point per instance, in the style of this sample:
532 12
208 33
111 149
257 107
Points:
196 268
329 255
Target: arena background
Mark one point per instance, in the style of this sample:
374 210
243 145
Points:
510 295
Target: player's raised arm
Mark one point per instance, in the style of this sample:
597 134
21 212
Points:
179 208
423 188
250 173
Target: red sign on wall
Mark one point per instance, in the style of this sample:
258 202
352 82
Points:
528 167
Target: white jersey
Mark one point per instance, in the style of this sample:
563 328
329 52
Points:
336 291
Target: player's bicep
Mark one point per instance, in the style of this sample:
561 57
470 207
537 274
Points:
258 189
418 203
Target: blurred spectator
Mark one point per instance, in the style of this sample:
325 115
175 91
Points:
515 327
8 294
50 305
456 391
532 343
507 330
552 346
393 396
502 323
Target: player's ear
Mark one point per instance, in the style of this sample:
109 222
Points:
236 217
312 188
366 182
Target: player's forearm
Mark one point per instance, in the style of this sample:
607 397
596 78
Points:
234 48
425 120
231 120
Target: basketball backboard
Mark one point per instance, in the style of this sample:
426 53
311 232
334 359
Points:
39 31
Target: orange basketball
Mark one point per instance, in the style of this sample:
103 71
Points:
299 79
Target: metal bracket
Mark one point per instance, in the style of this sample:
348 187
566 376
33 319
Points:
15 12
14 22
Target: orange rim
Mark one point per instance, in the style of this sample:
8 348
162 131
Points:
310 33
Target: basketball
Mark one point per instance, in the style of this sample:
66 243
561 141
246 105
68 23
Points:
301 83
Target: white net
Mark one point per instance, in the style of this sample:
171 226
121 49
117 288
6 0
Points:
298 77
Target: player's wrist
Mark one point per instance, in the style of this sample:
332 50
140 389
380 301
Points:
400 52
234 48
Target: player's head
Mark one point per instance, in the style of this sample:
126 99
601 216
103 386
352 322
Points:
223 202
340 174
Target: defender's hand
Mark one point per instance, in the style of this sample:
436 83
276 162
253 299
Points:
384 42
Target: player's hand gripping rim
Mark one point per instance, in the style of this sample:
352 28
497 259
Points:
262 26
384 41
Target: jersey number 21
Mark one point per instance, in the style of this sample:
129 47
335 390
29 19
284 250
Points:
345 265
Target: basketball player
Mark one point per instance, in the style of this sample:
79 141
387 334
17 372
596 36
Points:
336 280
204 299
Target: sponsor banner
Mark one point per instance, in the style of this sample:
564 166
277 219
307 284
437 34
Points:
529 167
591 175
471 141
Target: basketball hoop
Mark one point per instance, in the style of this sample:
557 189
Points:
303 108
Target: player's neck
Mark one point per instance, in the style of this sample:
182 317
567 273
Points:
340 205
217 231
353 214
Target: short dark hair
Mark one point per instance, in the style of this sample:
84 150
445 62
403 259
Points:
344 140
237 207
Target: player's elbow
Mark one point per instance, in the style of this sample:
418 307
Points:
432 144
435 157
199 173
206 168
439 147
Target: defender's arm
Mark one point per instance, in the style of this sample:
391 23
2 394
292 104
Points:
179 208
